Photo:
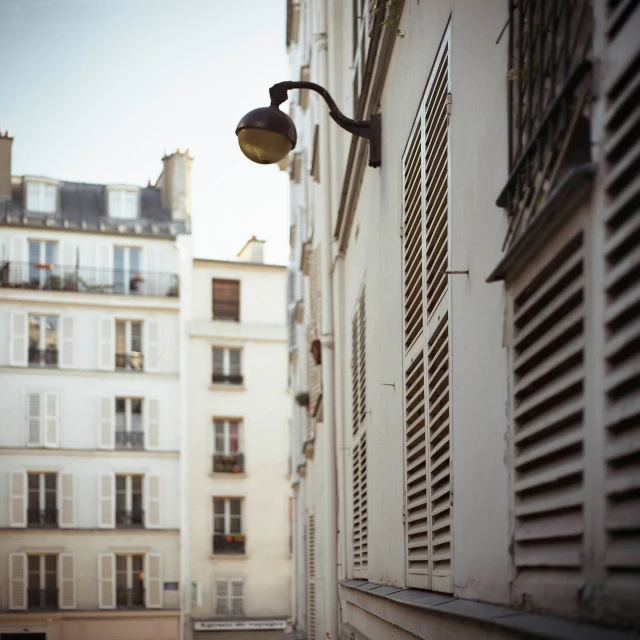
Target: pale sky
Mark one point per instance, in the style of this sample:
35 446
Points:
97 90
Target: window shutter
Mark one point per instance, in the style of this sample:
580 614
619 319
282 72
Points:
152 346
235 366
106 581
362 356
106 502
152 414
153 580
68 258
17 581
67 501
107 411
104 260
18 492
106 344
18 342
152 279
360 521
19 269
51 418
237 598
67 581
153 502
222 598
218 361
67 351
311 576
34 420
355 375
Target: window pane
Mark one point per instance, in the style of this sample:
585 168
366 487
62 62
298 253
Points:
137 563
33 480
50 481
218 361
136 414
34 333
234 439
136 484
234 507
34 252
121 483
218 506
234 361
119 270
51 332
235 524
115 204
131 204
34 192
120 414
50 564
218 524
136 337
121 336
121 563
49 204
134 261
237 588
50 251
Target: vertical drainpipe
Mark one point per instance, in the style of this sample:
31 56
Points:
329 471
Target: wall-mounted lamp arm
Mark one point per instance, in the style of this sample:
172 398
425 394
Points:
369 129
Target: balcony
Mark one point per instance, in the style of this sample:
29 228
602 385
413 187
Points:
130 598
42 518
129 440
227 378
228 463
129 519
228 544
43 358
133 361
42 598
51 277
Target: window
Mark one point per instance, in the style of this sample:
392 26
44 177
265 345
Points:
42 589
129 345
43 341
228 538
41 197
227 457
130 581
129 431
226 366
126 270
225 296
365 39
123 203
42 260
229 597
42 500
129 511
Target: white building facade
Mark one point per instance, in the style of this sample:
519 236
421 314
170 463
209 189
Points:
464 320
92 324
239 472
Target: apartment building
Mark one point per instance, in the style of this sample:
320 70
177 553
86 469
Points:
239 473
91 320
464 320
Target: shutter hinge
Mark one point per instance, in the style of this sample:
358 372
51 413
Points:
401 232
449 103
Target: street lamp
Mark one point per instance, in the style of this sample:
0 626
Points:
266 135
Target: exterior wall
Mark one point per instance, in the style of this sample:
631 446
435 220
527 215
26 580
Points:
263 403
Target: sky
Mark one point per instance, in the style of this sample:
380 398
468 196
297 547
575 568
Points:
98 90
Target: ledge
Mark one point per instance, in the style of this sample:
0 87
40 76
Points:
228 556
227 387
500 618
217 475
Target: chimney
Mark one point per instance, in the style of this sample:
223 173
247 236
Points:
175 182
5 165
253 251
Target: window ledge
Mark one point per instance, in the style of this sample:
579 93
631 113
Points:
219 474
503 618
228 556
227 387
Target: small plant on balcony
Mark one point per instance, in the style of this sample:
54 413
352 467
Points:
302 399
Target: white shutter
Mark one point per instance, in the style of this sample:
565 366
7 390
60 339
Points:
152 415
222 597
19 269
33 412
153 580
17 581
106 344
152 494
152 346
18 499
106 501
152 280
67 501
106 581
67 581
51 418
67 257
104 260
67 351
107 410
18 343
311 576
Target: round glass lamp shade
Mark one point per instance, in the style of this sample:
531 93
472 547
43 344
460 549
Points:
266 135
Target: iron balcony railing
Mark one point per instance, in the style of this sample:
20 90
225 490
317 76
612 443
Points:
229 544
130 598
133 360
42 517
42 598
53 277
228 463
129 440
43 358
230 378
126 518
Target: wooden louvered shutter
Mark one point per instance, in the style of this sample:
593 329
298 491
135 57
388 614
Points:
362 361
153 580
622 315
311 576
51 418
106 501
18 499
152 416
547 365
152 346
106 581
427 385
18 343
34 420
152 495
67 581
107 422
18 581
67 501
67 347
106 344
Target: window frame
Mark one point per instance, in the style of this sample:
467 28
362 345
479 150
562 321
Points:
43 188
121 207
128 499
42 495
42 578
42 339
131 279
128 344
226 424
229 597
129 573
227 515
226 376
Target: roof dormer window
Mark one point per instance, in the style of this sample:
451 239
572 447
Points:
41 196
123 202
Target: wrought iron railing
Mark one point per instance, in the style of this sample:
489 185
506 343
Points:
42 598
230 378
548 102
228 463
129 440
230 544
126 518
42 517
130 598
133 360
53 277
43 357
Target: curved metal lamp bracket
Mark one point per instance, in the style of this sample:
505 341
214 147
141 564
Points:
369 129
